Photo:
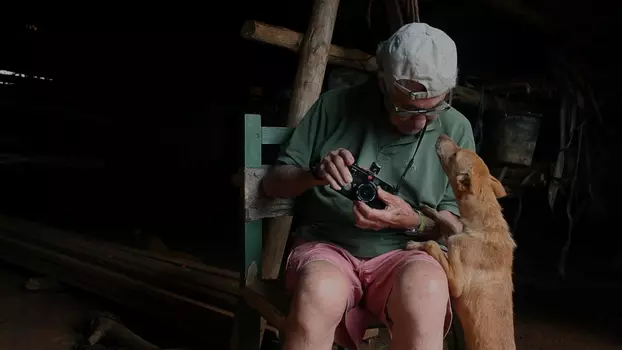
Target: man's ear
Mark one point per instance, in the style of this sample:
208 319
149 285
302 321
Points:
497 187
464 182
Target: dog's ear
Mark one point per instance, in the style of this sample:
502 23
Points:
497 187
463 181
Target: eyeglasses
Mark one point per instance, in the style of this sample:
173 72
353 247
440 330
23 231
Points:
406 112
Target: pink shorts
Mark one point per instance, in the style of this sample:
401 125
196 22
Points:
371 280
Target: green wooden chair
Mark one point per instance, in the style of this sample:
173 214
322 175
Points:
266 298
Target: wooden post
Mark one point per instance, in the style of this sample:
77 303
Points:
307 88
313 59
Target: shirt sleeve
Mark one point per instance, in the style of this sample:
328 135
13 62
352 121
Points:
307 136
466 140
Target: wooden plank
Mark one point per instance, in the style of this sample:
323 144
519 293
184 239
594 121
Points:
189 278
257 206
275 135
291 40
78 261
186 314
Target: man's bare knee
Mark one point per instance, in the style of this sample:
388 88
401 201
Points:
321 296
417 306
420 295
319 302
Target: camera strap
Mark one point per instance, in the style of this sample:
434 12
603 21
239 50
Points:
412 159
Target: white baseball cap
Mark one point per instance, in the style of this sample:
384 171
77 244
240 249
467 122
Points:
420 53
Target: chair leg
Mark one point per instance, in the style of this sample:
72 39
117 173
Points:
247 329
247 325
234 343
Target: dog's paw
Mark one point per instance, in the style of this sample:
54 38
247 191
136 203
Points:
412 245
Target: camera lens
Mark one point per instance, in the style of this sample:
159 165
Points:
366 192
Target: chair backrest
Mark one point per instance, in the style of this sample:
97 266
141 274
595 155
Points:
255 136
257 207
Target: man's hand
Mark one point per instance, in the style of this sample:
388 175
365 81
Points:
398 214
334 168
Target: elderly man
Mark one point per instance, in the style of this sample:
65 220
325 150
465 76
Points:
348 268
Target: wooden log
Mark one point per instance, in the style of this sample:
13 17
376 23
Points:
314 53
351 58
181 276
313 59
291 40
188 314
184 313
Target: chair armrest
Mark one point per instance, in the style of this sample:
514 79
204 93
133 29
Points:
256 205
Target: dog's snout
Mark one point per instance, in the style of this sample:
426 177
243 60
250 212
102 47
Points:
443 137
440 141
445 147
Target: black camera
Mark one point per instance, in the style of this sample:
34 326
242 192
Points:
364 186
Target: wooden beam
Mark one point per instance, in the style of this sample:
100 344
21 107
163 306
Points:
181 276
350 58
184 313
314 55
291 40
187 314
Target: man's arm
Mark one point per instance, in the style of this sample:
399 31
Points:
288 181
290 177
440 223
451 222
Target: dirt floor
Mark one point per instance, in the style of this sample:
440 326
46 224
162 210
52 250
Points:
53 320
37 320
541 327
57 318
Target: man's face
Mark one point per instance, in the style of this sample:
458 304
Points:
411 123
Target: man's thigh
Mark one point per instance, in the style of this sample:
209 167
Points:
381 274
354 320
304 253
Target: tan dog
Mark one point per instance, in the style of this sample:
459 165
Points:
479 260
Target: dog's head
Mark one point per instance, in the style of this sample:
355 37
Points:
467 172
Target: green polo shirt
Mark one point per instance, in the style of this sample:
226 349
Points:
354 118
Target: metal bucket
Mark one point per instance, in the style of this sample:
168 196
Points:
514 139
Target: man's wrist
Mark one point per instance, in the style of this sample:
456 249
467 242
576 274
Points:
314 173
312 178
417 224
